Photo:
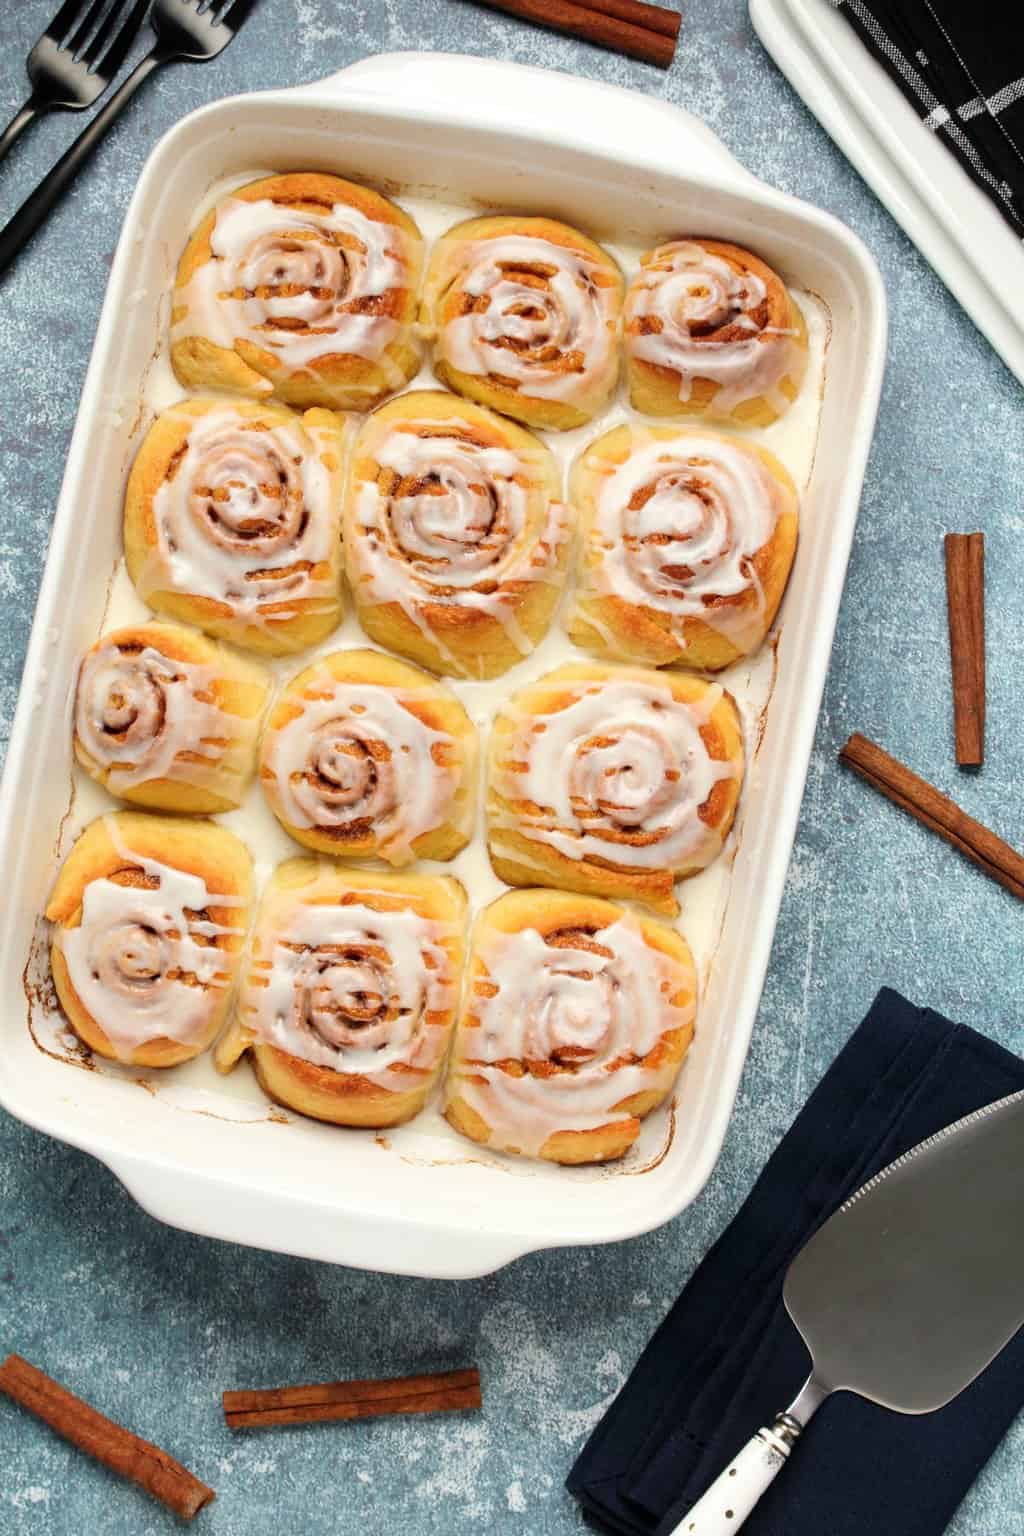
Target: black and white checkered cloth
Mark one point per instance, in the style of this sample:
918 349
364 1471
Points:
960 63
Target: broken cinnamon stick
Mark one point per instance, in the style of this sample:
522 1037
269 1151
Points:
935 810
117 1448
965 593
447 1392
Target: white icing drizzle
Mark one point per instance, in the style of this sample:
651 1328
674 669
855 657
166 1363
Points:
138 960
455 527
690 295
618 774
365 993
539 320
358 758
677 527
141 716
245 517
575 1021
300 283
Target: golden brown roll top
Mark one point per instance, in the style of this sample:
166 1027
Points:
711 330
303 285
364 755
524 313
616 782
232 518
168 719
688 540
150 914
456 541
350 991
576 1020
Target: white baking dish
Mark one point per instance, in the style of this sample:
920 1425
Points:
477 133
956 227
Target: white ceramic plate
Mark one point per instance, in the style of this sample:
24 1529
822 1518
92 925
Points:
474 133
950 220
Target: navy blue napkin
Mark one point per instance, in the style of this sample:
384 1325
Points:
727 1358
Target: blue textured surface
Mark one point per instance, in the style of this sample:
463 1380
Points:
151 1323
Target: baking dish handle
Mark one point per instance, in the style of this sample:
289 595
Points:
198 1201
583 114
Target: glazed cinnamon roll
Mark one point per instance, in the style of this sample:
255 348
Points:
168 719
304 286
350 991
688 541
232 521
455 540
364 755
711 330
576 1020
613 782
524 313
149 915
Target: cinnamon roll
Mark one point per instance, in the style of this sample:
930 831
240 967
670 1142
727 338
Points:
149 915
168 719
350 991
304 286
232 521
455 540
688 541
364 755
576 1020
711 330
524 314
613 782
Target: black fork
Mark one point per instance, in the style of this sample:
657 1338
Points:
189 30
75 60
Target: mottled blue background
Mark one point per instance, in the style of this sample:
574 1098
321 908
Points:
153 1323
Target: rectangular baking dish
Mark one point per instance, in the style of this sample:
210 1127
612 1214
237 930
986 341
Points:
490 134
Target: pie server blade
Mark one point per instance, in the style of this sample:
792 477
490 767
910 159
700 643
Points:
904 1295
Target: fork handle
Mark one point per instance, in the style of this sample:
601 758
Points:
34 210
20 120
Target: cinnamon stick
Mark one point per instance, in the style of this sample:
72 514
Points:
447 1392
117 1448
656 18
965 593
614 24
935 810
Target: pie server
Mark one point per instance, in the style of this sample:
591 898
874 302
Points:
904 1295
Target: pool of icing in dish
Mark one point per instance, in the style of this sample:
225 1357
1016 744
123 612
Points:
196 1086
